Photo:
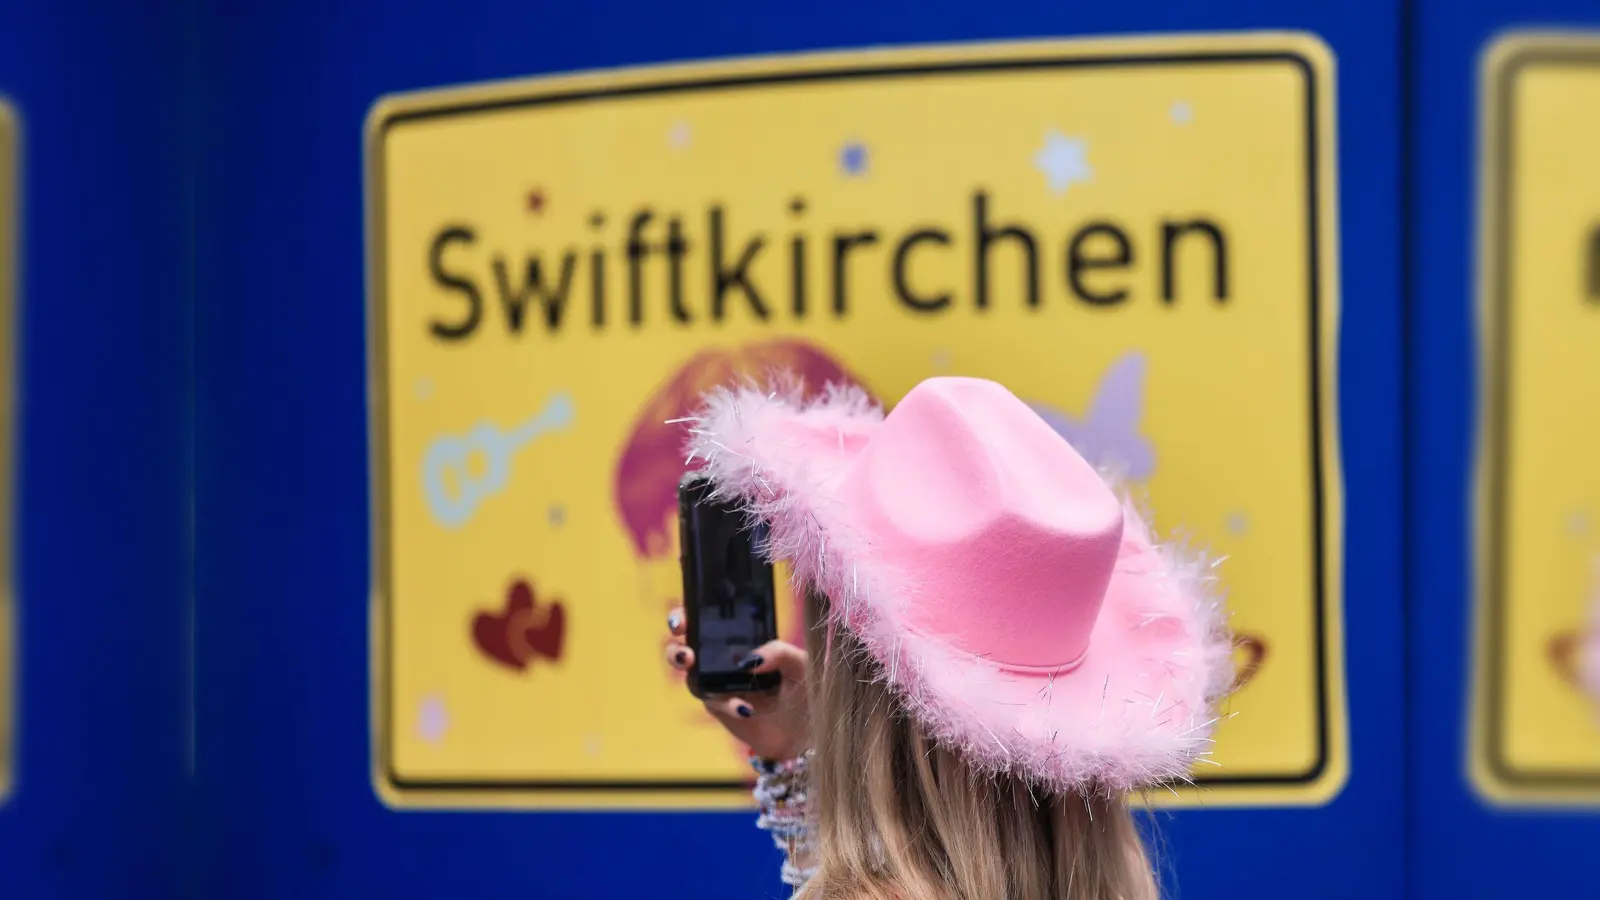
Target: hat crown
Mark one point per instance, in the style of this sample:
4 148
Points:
1010 534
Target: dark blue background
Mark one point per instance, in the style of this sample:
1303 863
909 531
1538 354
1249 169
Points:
1460 848
274 119
282 456
103 490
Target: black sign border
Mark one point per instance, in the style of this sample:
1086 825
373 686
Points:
1302 65
1496 526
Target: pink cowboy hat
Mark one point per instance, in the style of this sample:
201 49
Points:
1019 607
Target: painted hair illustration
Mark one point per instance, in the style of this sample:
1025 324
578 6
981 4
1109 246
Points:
645 483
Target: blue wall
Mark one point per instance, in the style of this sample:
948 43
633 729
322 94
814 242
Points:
204 160
103 444
282 477
1459 846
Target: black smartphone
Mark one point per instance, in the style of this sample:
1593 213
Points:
729 606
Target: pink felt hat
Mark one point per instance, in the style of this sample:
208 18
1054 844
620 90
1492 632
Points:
1016 604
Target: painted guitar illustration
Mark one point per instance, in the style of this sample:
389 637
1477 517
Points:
453 489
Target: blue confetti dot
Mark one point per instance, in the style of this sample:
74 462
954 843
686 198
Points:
853 158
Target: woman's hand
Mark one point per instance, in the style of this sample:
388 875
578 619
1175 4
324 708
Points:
774 726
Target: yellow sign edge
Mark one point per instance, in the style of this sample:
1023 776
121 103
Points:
1336 766
1500 57
1318 57
10 264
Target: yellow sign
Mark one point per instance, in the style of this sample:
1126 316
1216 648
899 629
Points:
10 187
1137 236
1536 734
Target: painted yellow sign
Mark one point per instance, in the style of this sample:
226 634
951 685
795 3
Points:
1135 235
10 187
1536 734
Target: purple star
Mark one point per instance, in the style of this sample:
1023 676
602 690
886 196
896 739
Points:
1108 434
853 158
432 719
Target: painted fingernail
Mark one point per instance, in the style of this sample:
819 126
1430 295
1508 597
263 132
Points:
674 620
752 661
681 658
744 712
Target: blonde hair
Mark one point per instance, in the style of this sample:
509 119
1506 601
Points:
900 818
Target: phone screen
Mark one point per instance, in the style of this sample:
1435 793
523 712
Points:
728 588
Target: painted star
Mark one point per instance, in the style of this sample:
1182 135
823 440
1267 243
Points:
432 720
1063 161
853 158
1238 523
1181 113
536 201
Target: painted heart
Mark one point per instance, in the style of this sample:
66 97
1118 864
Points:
1254 654
547 638
522 630
491 631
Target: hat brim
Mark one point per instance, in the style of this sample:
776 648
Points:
1138 711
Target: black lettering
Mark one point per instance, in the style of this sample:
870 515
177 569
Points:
1079 260
987 237
797 262
902 286
1170 234
456 283
597 275
515 301
597 287
676 248
797 275
722 279
842 243
637 251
